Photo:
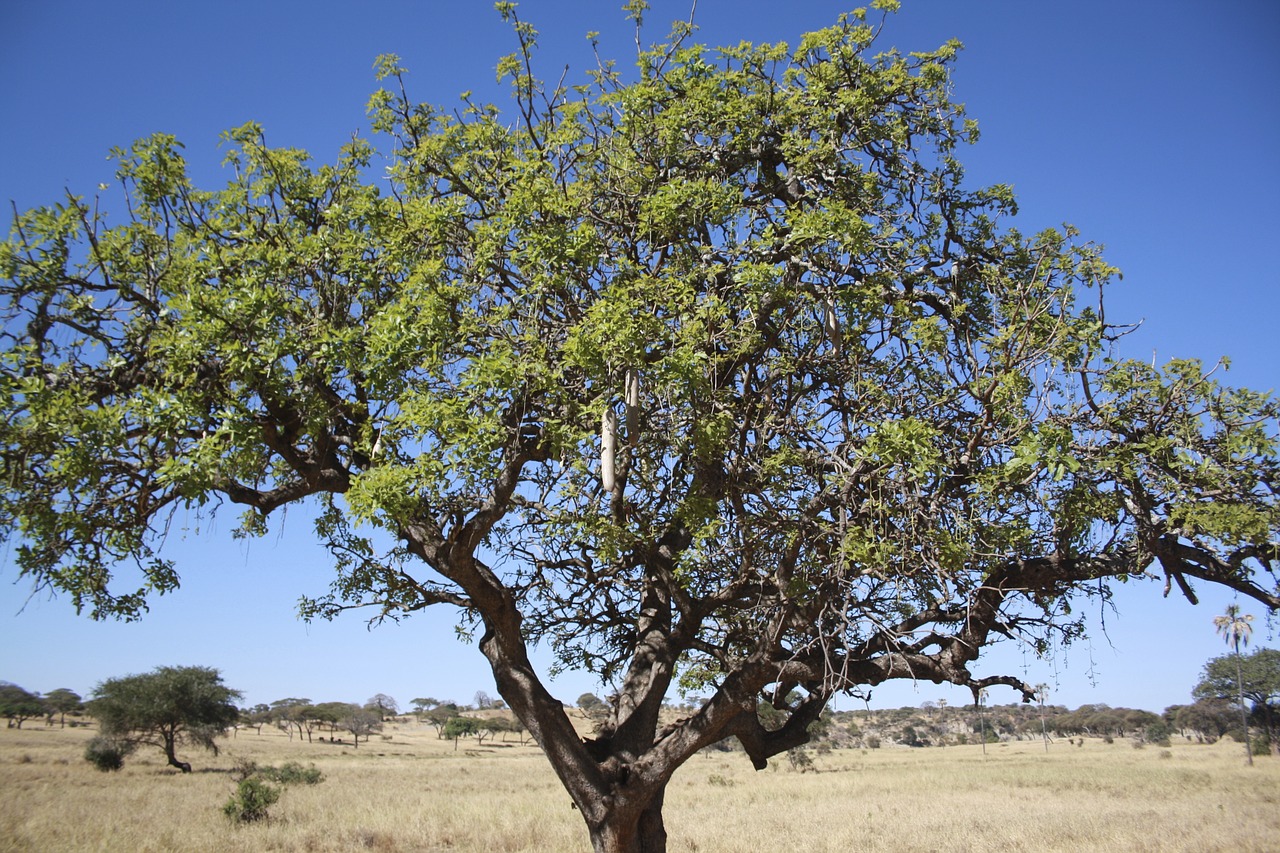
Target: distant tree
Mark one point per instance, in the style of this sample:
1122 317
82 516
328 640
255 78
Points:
1233 626
18 705
439 717
1042 693
422 704
332 714
482 699
290 715
980 699
362 723
62 701
1254 677
1209 718
166 707
594 707
383 705
257 716
459 727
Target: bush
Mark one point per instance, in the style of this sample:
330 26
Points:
1157 733
106 753
800 760
1260 746
250 802
292 773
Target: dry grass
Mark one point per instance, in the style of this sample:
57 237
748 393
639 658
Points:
414 792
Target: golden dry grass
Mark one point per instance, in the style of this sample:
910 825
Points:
413 792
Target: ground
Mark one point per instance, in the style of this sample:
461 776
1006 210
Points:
406 790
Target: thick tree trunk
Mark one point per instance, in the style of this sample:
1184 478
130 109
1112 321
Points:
621 832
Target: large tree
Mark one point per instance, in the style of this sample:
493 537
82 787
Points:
1254 677
168 706
714 372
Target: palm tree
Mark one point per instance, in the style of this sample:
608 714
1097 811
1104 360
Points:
979 697
1042 691
1233 626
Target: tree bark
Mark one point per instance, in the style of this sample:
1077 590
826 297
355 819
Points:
628 831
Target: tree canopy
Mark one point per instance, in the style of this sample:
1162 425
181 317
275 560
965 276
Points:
714 373
1257 680
18 705
166 707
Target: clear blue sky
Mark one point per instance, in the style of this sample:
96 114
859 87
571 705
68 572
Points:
1153 126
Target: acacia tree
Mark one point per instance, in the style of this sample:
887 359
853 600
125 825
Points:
166 707
18 705
60 701
717 372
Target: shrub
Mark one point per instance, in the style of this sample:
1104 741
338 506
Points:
250 802
107 753
291 773
1157 733
800 760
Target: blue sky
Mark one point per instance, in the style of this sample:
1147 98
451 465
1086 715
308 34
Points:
1152 126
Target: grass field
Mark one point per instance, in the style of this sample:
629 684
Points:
409 791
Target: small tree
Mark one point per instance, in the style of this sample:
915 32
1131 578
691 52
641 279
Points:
62 701
167 707
18 705
422 704
362 723
1233 626
459 727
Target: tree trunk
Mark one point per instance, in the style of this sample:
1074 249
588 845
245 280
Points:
170 744
621 832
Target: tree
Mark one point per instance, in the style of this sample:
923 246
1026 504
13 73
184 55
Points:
423 704
18 705
1042 693
333 713
483 700
459 727
257 716
169 706
1234 628
384 705
1210 719
61 701
361 723
292 713
1255 677
717 376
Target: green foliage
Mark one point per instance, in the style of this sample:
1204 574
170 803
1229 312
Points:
251 800
711 374
107 753
166 707
1259 672
292 773
1158 733
18 705
459 727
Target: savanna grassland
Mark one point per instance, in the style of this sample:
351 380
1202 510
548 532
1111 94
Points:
406 790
